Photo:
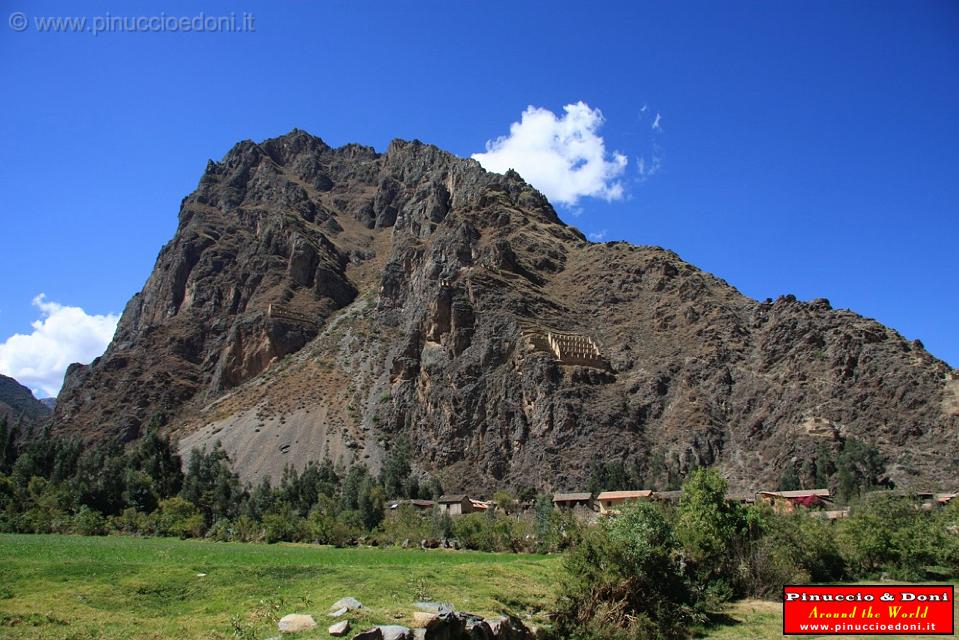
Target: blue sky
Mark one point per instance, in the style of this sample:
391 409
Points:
808 148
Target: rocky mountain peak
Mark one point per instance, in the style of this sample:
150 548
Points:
323 302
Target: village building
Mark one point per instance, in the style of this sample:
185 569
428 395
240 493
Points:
789 501
578 501
456 504
418 505
610 501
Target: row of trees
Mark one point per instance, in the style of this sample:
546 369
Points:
52 485
856 468
656 569
851 469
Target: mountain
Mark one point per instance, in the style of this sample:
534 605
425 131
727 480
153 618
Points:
323 302
19 406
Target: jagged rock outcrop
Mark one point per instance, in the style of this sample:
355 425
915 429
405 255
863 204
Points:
319 302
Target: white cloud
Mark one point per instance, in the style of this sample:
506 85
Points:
561 156
657 122
651 167
598 236
62 336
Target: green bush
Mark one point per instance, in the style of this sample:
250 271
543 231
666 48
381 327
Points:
492 532
282 524
246 529
868 536
87 522
791 549
406 523
181 518
624 580
220 531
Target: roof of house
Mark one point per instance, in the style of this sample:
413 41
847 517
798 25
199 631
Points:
798 493
619 495
456 497
572 497
945 497
395 504
479 504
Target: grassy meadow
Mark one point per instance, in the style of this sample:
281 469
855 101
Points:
60 587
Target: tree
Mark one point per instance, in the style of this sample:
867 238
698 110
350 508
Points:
789 480
260 500
708 526
350 492
860 468
211 484
371 503
156 456
396 470
8 446
433 489
98 481
504 501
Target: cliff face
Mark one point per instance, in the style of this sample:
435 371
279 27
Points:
321 302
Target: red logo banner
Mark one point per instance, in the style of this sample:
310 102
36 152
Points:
868 610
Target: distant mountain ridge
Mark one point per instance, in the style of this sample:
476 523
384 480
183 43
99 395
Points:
323 302
18 405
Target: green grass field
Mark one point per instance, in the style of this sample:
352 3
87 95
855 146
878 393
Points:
71 587
760 620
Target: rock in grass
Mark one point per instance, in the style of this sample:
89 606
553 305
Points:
296 622
395 632
339 612
339 628
350 604
422 619
510 628
479 630
369 634
441 608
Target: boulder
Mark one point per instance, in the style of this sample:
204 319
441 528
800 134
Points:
448 625
479 630
350 604
439 608
510 628
369 634
422 619
339 612
339 628
295 622
395 632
